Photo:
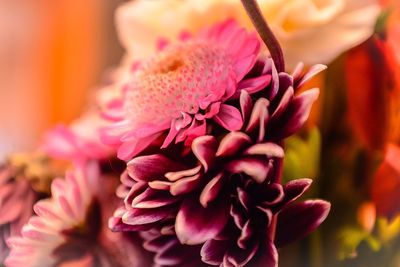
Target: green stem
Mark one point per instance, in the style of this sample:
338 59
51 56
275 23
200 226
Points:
254 12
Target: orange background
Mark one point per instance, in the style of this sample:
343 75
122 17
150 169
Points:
52 52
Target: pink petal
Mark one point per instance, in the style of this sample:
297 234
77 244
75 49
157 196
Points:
133 147
229 117
173 132
246 105
244 65
253 85
11 210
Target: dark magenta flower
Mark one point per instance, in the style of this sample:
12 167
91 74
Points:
224 193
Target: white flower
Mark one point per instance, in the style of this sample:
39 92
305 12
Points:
312 31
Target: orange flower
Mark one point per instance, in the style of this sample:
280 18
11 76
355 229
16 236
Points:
373 82
386 184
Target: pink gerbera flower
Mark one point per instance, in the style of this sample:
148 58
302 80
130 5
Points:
175 94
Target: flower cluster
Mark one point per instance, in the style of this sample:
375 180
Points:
201 126
200 130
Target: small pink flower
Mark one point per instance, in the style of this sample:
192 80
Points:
69 229
174 95
78 141
48 230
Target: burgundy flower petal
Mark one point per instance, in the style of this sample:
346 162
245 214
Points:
283 103
256 168
259 118
148 168
232 143
244 198
175 176
268 214
268 256
151 199
136 189
238 214
213 251
298 111
229 117
160 185
246 105
285 80
246 234
253 85
196 224
268 149
147 216
155 244
274 193
314 70
117 225
238 257
211 190
185 185
169 255
204 148
295 188
299 219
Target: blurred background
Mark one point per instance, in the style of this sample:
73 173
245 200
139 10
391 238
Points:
54 52
51 54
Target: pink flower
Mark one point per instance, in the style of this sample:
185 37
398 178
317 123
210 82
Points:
175 95
68 226
24 179
78 141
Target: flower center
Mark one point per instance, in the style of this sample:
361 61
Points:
175 81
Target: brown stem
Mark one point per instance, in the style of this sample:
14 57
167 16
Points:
254 12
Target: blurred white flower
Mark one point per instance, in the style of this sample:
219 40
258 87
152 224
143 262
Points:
312 31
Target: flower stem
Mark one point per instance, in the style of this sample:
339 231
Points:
254 12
